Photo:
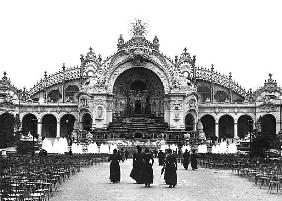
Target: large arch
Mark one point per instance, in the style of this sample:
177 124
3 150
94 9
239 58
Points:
208 122
268 128
29 124
226 126
189 122
49 126
244 124
86 122
118 70
7 137
66 125
139 89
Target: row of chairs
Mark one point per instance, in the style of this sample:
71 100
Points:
265 173
34 178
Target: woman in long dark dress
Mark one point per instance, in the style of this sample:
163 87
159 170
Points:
148 170
138 166
194 160
186 159
114 167
170 169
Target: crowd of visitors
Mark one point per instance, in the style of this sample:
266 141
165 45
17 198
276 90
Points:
142 171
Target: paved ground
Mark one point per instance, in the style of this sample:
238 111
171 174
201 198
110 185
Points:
204 184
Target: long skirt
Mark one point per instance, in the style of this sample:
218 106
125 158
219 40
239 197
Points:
170 175
194 163
148 173
186 162
114 172
137 172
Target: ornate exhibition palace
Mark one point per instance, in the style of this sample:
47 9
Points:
138 92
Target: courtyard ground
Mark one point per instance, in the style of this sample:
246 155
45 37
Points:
203 184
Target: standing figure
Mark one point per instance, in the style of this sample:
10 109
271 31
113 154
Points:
161 156
186 159
148 169
170 169
194 160
122 154
138 166
114 167
126 154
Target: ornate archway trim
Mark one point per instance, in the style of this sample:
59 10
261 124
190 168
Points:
128 65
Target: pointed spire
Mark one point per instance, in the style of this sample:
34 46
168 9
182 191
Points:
64 67
45 74
90 49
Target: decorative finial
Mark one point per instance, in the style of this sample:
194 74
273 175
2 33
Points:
5 76
230 75
212 68
90 49
185 50
64 67
138 28
270 75
156 40
81 57
176 59
100 58
45 74
120 39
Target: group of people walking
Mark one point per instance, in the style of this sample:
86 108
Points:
142 171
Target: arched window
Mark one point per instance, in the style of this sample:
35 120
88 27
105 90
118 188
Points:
221 96
71 91
204 92
54 95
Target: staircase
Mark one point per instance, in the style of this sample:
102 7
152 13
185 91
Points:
142 124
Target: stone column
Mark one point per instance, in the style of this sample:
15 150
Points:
235 129
39 130
194 125
216 129
58 129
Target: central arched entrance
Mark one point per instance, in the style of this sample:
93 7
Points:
138 92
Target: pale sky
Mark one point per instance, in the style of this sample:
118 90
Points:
239 36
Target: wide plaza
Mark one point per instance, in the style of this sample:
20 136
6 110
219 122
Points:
203 184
